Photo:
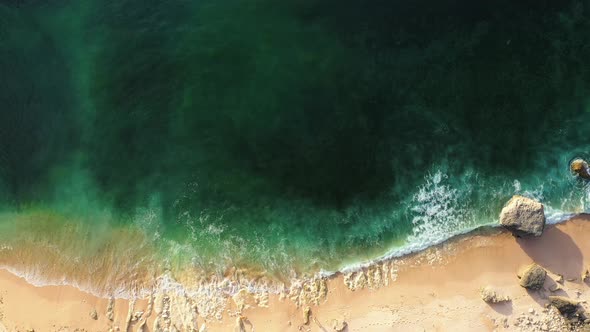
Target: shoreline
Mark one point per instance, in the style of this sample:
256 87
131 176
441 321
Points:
434 289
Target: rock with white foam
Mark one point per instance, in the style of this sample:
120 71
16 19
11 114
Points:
580 168
523 216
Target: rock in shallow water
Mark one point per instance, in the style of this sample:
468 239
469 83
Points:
532 276
523 216
580 168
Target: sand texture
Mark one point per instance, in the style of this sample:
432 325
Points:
439 289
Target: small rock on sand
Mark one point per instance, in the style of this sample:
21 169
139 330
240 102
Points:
306 314
523 216
565 305
240 324
110 309
93 314
339 325
490 295
585 276
559 279
532 276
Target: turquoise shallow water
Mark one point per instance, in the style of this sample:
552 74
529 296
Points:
300 134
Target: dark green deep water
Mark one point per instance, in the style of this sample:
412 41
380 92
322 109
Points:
293 133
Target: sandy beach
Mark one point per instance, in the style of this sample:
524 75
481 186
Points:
434 290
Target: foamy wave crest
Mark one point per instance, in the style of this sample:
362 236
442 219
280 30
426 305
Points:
38 278
556 216
439 211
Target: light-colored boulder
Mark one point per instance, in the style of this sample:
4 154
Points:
523 216
532 276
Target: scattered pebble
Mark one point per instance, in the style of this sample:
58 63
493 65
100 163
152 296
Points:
490 295
306 314
585 275
93 314
339 325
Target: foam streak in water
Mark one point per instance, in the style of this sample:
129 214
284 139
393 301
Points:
439 211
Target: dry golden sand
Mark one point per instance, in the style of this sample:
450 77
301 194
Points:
435 290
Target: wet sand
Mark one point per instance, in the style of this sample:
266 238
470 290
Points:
434 290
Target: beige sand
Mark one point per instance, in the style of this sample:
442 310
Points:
435 290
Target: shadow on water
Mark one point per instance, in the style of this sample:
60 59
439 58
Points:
554 251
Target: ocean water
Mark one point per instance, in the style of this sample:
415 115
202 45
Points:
285 137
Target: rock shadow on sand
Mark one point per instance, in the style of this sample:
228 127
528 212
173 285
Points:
503 308
555 251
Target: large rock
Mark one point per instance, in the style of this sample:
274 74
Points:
565 305
580 168
532 276
523 216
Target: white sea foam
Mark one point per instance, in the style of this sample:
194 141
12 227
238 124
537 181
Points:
39 279
439 209
441 212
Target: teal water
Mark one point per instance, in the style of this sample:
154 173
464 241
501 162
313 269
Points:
293 135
